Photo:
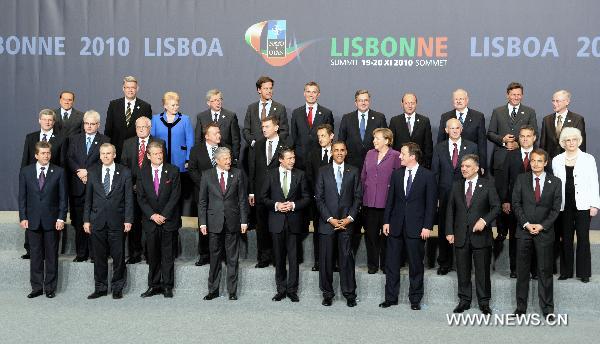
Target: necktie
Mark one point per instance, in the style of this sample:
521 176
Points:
513 114
216 117
263 112
128 114
363 126
460 118
88 144
526 162
66 116
269 152
325 158
538 192
141 153
156 182
559 125
409 182
408 126
310 116
42 178
455 155
44 138
213 161
222 182
469 195
106 182
338 180
284 187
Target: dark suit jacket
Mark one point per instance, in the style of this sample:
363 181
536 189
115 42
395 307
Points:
349 132
214 206
413 213
230 130
460 219
473 130
113 209
258 167
167 201
312 166
303 137
42 207
252 126
77 158
549 141
502 124
298 193
512 167
116 127
528 210
332 204
72 126
199 161
441 166
421 135
129 155
57 140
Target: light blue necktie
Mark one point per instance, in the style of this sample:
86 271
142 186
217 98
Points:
460 118
363 126
88 144
338 180
409 182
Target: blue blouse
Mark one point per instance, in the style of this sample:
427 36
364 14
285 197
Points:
178 137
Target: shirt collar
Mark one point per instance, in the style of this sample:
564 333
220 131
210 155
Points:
464 112
281 169
542 176
62 111
220 170
38 166
111 167
160 167
458 142
335 166
48 133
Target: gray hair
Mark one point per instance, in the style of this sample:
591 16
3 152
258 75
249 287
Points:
452 120
213 92
564 93
129 78
473 157
569 133
460 90
47 112
92 115
221 151
144 119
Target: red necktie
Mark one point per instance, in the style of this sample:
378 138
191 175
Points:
310 116
455 156
469 194
141 154
222 182
538 193
526 162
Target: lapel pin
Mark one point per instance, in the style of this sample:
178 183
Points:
522 113
117 172
222 116
417 120
51 171
372 117
549 181
319 112
464 147
568 120
479 185
138 107
274 109
95 142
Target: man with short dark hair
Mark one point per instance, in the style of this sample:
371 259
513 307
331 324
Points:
69 121
263 108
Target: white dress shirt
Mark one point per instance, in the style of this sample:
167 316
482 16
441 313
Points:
111 173
282 172
159 168
414 172
451 147
225 176
132 104
47 133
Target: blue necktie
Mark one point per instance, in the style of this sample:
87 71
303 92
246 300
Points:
363 126
106 182
409 182
88 144
338 180
460 118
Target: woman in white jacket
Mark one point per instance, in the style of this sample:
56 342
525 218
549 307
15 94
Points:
580 202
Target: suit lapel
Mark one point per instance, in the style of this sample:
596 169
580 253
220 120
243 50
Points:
370 127
116 178
230 180
49 175
345 180
293 183
477 191
354 123
416 125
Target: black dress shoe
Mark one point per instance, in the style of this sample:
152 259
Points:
519 311
261 265
97 294
336 269
80 259
534 276
386 304
442 271
278 297
152 292
293 297
133 260
211 296
415 306
35 293
563 277
485 309
25 256
168 293
315 267
327 301
117 294
202 261
585 279
513 274
462 306
351 302
50 294
372 271
549 317
233 297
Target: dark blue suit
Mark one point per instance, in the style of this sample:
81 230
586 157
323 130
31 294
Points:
407 215
42 208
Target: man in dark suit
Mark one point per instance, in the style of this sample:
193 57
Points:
69 121
42 213
202 158
305 121
227 121
516 162
317 158
473 123
446 168
472 206
122 113
265 107
82 154
338 195
107 215
408 221
285 195
158 190
536 201
261 161
553 123
134 157
223 215
412 127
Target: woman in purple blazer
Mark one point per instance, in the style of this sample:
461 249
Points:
375 177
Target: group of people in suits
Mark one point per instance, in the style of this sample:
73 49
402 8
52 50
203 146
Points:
393 181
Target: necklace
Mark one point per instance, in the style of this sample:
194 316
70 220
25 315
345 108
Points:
571 159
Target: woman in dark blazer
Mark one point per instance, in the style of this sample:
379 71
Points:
580 202
376 172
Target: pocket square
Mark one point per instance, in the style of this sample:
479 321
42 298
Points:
168 181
